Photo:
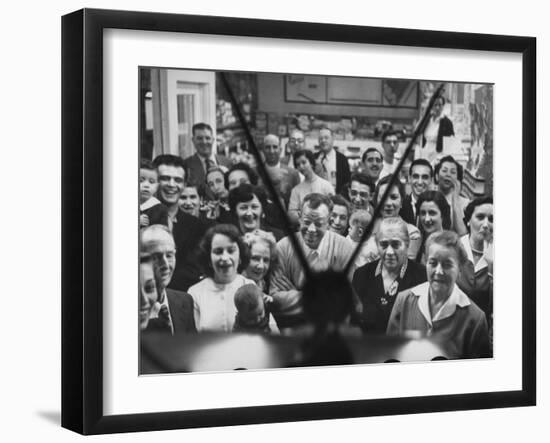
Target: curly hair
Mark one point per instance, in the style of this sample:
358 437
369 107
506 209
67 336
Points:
250 238
440 201
205 247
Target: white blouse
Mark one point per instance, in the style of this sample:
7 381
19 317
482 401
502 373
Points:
213 303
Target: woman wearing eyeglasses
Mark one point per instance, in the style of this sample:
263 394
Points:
377 284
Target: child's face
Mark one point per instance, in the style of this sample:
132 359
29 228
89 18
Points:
254 316
356 231
148 184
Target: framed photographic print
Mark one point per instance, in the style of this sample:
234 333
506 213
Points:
296 208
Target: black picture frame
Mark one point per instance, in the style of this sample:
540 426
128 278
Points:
82 220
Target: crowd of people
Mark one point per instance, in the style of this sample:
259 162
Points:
217 252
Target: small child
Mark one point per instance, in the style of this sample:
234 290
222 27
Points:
151 210
358 223
251 312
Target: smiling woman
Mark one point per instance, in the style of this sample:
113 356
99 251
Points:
439 306
223 257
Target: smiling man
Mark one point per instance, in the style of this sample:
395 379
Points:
173 310
283 177
198 164
420 180
323 249
186 229
332 165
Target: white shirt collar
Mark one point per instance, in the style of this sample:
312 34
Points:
321 249
457 298
153 201
481 263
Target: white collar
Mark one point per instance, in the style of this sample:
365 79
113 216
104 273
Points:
153 201
323 245
481 263
457 298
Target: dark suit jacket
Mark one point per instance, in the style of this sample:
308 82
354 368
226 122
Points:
370 290
181 312
188 232
196 174
407 211
343 174
158 214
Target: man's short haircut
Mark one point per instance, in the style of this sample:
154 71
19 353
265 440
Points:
201 127
421 162
364 179
247 298
469 210
368 151
314 200
245 167
338 200
387 133
396 222
440 201
325 128
304 153
450 159
205 247
151 233
360 217
147 164
244 193
448 239
384 181
168 160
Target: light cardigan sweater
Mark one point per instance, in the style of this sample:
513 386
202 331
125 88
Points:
288 278
460 324
214 303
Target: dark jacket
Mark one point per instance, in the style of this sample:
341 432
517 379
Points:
446 129
343 173
377 305
188 232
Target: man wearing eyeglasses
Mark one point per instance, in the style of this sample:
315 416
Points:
390 145
282 177
296 141
173 310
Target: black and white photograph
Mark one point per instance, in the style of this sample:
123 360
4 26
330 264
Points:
293 220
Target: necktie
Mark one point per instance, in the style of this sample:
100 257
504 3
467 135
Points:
164 318
209 163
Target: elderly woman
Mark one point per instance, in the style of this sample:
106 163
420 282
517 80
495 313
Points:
434 214
246 204
476 277
376 284
390 208
439 308
223 257
262 248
